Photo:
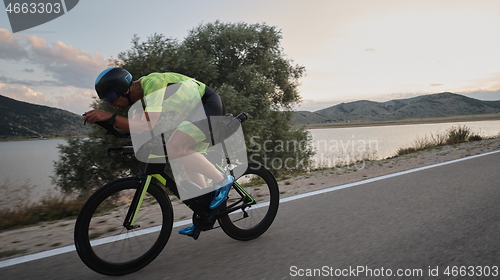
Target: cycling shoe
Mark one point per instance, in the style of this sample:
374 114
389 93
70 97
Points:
223 191
187 231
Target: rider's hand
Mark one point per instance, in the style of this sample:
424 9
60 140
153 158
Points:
95 116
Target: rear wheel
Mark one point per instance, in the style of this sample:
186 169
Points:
258 215
105 245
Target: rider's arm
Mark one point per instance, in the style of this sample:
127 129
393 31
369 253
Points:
140 122
122 123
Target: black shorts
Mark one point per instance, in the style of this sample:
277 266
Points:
213 106
212 103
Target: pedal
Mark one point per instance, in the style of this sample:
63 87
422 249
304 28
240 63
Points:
195 234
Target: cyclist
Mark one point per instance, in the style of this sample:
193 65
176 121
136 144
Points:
115 87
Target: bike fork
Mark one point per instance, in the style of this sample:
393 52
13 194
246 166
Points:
131 217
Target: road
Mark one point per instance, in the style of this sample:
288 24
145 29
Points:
418 223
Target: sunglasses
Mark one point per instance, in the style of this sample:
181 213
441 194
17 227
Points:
109 98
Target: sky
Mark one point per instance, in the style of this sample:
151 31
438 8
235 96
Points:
351 50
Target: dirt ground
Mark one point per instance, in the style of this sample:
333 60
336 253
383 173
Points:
57 234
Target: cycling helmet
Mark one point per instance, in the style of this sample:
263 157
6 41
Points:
113 83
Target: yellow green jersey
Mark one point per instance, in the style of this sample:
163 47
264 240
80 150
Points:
192 90
183 101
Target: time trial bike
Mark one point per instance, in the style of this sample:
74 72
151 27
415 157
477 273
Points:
126 223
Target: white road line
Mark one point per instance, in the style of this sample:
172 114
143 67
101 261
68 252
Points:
71 248
299 196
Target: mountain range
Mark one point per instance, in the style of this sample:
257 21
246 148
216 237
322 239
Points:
21 120
440 105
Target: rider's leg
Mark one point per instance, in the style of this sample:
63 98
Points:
194 177
194 166
178 150
199 180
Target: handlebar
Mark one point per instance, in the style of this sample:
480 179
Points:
113 130
110 129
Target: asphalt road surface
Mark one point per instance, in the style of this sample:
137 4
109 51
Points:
412 226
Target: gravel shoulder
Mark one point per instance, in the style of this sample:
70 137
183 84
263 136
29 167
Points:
51 235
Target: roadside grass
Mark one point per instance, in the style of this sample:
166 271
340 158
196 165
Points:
10 253
26 212
454 135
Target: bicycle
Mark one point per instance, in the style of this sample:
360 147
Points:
126 223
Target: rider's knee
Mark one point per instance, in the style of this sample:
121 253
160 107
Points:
175 151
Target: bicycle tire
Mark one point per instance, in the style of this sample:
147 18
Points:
261 214
96 241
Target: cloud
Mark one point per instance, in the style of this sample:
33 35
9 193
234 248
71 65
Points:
10 48
27 82
68 65
76 100
29 70
35 41
370 50
23 93
436 85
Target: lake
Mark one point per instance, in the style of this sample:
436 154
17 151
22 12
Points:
346 145
26 166
25 169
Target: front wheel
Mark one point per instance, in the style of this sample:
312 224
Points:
258 191
105 245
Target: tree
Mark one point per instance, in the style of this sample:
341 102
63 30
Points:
243 62
246 56
246 65
156 54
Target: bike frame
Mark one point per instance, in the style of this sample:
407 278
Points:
156 172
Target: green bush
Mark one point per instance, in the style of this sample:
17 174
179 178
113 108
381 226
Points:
48 209
454 135
458 135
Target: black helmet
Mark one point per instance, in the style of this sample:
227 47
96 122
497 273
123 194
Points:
112 83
